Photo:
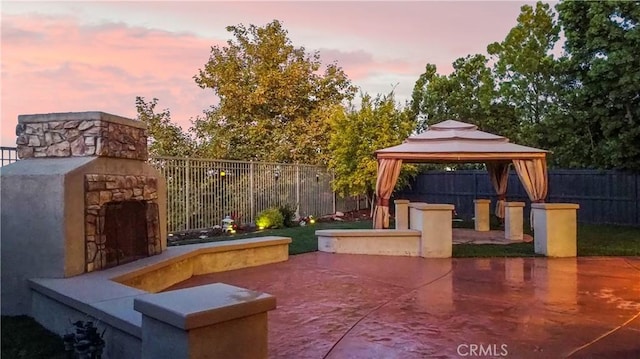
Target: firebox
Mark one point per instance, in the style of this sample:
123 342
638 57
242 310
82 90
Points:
125 230
121 219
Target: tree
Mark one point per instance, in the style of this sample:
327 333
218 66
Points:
357 134
526 68
165 137
273 98
603 96
468 94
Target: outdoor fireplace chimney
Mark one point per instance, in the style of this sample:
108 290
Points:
82 198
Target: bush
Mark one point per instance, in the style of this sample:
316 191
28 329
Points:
270 218
288 214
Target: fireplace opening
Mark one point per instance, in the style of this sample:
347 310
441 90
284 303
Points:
125 229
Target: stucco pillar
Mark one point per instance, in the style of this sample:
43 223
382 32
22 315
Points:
482 214
555 229
212 321
402 213
434 222
513 221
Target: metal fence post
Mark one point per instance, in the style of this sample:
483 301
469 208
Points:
297 190
252 204
187 192
333 178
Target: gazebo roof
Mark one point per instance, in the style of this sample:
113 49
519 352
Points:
455 141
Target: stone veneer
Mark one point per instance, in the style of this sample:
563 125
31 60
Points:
101 189
81 134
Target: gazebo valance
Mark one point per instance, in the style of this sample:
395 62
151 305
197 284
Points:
454 141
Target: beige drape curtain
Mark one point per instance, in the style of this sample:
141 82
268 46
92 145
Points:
533 175
499 175
388 172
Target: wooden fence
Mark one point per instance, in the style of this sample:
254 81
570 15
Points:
604 196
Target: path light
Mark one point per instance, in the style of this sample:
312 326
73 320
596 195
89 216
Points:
223 174
317 177
277 173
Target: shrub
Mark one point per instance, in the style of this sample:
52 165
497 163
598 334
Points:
288 214
270 218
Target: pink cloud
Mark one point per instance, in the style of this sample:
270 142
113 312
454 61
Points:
102 54
57 65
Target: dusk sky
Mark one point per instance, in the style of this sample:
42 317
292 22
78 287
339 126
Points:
98 56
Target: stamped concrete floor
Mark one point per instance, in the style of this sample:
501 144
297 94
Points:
357 306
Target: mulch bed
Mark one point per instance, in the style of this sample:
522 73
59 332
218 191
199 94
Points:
203 233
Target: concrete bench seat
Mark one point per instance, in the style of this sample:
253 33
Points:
394 242
108 296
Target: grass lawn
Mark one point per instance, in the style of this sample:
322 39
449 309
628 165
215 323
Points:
24 338
303 239
593 240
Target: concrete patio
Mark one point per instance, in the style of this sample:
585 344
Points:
358 306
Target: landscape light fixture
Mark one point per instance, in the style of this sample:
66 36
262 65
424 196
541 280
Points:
317 177
223 174
277 173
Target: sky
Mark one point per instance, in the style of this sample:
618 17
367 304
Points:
98 56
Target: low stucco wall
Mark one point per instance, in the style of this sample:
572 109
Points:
393 242
230 256
107 297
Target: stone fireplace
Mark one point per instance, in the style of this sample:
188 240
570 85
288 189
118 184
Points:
121 219
82 197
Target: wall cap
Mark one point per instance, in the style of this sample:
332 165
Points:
552 206
203 306
432 206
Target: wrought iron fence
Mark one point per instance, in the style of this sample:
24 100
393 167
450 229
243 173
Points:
201 192
8 155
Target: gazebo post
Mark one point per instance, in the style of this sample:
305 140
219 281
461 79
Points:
402 213
513 224
482 214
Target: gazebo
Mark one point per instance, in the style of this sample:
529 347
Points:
458 142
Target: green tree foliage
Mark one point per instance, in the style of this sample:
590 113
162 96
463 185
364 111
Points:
468 94
526 68
165 137
602 89
357 134
273 98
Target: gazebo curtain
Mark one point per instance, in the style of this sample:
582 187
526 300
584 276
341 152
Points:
499 175
388 172
533 175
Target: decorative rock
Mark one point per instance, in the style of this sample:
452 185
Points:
20 128
85 125
39 152
32 128
72 134
56 125
89 229
25 152
52 138
78 147
34 141
92 198
71 124
22 140
61 149
105 196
